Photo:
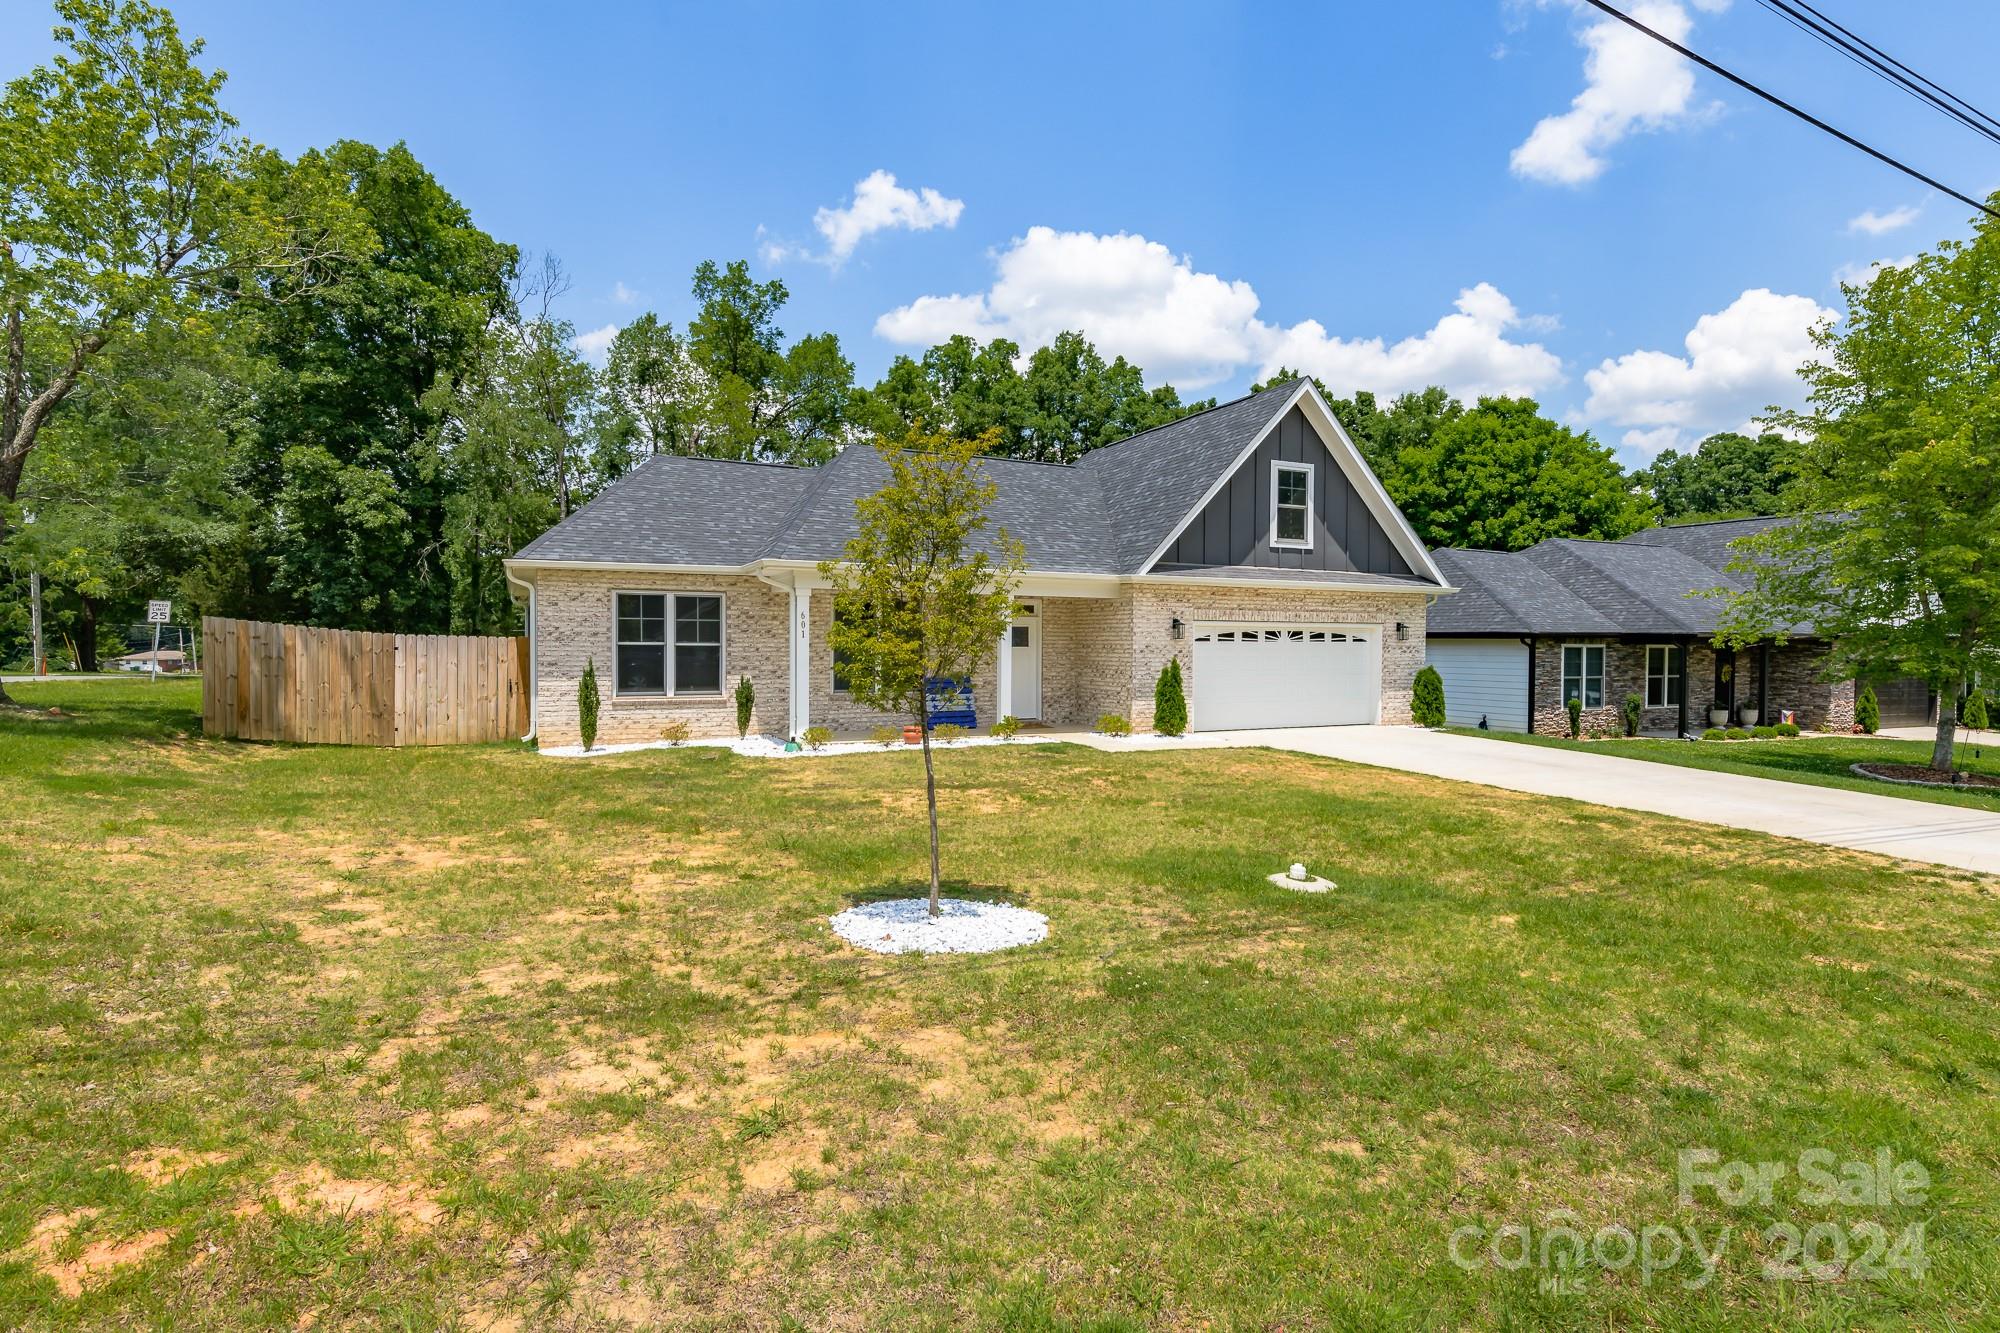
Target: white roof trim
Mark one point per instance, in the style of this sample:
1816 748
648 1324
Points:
1335 584
1352 465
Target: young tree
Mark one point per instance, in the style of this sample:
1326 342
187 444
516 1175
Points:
924 592
1896 557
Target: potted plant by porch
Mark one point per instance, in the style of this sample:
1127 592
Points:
1718 716
1750 713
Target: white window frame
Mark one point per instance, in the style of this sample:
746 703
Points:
1584 676
667 648
1284 543
1669 678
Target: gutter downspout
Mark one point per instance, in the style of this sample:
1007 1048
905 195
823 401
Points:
534 662
1530 642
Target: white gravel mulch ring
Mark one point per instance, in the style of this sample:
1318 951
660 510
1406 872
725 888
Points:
905 925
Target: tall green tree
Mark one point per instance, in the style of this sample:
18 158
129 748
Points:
657 398
341 464
764 400
923 591
1728 475
1896 553
1068 401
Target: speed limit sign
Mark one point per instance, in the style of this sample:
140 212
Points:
159 612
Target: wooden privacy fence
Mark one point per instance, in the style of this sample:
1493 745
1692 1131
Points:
264 682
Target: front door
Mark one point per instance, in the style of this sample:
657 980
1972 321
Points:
1024 643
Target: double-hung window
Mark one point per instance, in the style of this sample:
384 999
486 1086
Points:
1583 674
669 643
1291 505
1663 677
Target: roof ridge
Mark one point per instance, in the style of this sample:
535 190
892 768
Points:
1181 420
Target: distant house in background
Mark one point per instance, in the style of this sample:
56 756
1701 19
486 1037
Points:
1528 630
172 661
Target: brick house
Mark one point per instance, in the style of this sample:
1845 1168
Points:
1251 541
1602 620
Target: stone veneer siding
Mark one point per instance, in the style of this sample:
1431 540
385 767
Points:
1155 606
1795 684
573 613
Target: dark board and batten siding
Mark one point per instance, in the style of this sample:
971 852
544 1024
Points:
1235 527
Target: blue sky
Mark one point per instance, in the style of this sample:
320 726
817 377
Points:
1487 193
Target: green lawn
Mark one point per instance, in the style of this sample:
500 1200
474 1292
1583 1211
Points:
473 1038
1823 761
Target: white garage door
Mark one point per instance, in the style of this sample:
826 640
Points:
1482 678
1249 676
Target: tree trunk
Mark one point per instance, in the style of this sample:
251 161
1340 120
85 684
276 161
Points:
1947 728
930 796
86 635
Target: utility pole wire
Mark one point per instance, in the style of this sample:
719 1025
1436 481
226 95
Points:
1783 105
1870 46
1887 68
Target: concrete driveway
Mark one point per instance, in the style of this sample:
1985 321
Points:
1893 826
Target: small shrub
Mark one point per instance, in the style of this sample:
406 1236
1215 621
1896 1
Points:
947 732
1712 734
886 735
1115 724
1170 700
586 704
815 738
1737 734
1867 712
1975 715
746 698
1007 728
1763 733
676 732
1635 708
1575 706
1427 698
1787 728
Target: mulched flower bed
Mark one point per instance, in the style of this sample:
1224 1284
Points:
1922 775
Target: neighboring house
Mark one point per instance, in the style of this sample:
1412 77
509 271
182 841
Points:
1250 541
1566 618
170 659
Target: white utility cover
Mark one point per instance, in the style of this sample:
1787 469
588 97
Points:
1278 675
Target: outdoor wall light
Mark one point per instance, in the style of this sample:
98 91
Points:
1402 631
1175 629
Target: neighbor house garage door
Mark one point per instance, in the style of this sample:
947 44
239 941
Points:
1249 676
1482 678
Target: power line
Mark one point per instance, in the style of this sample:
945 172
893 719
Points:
1887 68
1949 96
1783 105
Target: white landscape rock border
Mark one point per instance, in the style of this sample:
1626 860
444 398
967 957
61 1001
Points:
769 747
905 925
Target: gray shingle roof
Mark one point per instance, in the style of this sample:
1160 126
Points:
1569 586
1061 523
1707 542
1153 480
678 511
1500 593
1104 515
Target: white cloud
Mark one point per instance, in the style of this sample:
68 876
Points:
1860 275
879 204
1880 224
1631 82
1135 298
1739 360
622 294
595 344
1467 351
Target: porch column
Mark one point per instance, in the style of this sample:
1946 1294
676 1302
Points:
1764 683
800 657
1682 725
1003 668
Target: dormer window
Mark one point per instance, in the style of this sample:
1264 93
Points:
1292 505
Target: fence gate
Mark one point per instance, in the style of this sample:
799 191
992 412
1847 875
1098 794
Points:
266 682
